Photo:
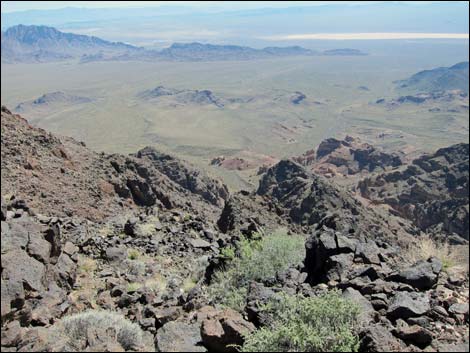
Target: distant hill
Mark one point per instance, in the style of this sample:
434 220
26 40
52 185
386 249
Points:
343 52
43 44
198 51
40 43
439 79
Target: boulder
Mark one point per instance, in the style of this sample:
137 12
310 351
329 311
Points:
415 334
14 236
179 337
339 266
19 268
378 338
199 244
12 298
320 247
116 254
258 295
404 305
368 252
422 275
39 248
66 269
225 330
367 311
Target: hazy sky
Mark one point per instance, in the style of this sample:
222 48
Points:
11 6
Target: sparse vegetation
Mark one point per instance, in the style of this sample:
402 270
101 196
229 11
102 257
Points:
76 327
424 247
133 254
157 283
319 324
254 260
133 286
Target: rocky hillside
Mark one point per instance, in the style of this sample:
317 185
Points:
432 191
127 253
438 79
60 176
348 156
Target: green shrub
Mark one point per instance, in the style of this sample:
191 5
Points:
319 324
254 260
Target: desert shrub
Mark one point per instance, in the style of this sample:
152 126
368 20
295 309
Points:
319 324
76 327
133 286
424 247
133 254
254 260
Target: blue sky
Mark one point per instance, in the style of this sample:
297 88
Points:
12 6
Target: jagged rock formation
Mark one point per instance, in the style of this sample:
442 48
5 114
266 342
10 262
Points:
60 176
313 202
142 235
347 157
432 191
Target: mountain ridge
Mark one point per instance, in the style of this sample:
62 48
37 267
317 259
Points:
42 44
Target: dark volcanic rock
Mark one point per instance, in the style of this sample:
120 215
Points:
414 334
432 191
189 178
223 331
405 305
347 157
179 337
308 199
378 338
422 275
72 180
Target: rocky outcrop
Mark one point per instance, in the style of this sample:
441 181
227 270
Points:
347 157
432 191
311 201
35 275
186 176
398 308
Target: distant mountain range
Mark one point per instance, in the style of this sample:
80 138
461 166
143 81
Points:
40 43
43 44
439 79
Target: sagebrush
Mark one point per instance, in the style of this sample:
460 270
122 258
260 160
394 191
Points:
254 260
77 326
297 324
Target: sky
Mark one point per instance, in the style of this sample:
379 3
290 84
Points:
13 6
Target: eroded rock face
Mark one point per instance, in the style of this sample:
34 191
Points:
432 191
